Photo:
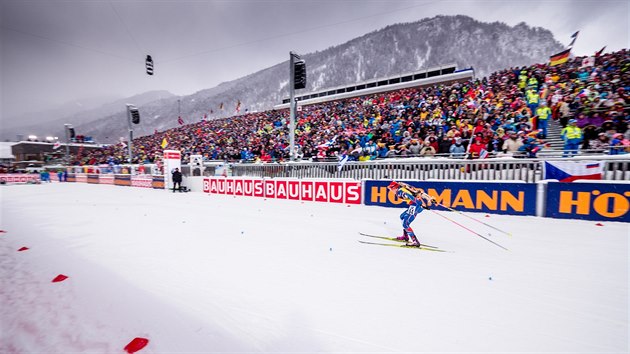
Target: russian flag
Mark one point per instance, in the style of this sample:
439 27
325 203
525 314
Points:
569 171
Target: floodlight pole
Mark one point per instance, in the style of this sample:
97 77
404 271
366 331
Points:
67 158
129 106
292 57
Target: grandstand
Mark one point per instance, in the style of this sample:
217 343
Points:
421 115
440 75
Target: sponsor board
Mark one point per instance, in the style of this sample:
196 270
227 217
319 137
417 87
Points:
81 177
92 178
106 179
157 182
590 201
141 181
172 160
172 154
488 197
346 192
122 180
19 178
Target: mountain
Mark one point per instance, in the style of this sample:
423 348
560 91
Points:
396 49
34 118
78 113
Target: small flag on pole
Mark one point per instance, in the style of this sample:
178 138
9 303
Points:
180 120
574 37
327 144
164 143
560 58
56 146
342 161
600 52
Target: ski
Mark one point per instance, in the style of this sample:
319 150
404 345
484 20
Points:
391 239
424 248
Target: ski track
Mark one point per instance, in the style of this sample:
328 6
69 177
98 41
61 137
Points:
199 273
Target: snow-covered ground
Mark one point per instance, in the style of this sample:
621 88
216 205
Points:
215 274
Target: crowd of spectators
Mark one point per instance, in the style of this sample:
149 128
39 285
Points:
505 113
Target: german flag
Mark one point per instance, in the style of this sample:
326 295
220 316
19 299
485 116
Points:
559 58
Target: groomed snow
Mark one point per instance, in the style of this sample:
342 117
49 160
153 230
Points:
216 274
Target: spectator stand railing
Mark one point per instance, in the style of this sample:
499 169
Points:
510 169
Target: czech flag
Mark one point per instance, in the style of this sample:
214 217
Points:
569 171
559 58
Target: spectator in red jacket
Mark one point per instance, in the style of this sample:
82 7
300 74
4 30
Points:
476 148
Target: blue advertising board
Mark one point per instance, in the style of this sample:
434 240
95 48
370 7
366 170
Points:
489 197
589 201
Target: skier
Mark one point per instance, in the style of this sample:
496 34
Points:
417 200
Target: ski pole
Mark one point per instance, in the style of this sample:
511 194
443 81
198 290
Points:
462 226
470 217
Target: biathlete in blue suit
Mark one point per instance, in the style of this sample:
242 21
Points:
417 200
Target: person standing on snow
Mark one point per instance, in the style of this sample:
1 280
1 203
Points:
417 200
177 180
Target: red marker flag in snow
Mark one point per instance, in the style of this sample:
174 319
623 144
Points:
59 278
22 249
136 344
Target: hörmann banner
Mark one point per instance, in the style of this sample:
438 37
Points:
490 197
590 201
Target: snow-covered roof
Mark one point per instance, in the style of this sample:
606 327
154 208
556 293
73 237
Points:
5 150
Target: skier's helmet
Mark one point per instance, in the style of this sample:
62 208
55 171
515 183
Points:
393 186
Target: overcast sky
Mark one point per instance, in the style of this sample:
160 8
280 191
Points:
54 52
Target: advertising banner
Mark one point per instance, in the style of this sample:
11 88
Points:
122 180
589 201
93 178
81 178
157 182
106 179
19 178
172 160
346 192
489 197
142 181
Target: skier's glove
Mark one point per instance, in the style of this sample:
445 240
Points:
427 201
